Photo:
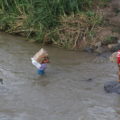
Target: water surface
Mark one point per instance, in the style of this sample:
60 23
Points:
72 88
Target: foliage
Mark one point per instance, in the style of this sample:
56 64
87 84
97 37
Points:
76 30
35 18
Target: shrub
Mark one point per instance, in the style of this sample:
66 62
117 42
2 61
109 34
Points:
36 18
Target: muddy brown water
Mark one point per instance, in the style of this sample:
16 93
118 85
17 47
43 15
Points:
72 88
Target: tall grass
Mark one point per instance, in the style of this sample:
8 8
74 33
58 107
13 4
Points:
34 18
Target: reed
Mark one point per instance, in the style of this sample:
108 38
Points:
35 18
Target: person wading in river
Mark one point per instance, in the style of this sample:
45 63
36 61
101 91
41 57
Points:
118 62
40 60
115 57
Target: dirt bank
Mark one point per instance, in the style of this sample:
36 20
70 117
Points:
108 36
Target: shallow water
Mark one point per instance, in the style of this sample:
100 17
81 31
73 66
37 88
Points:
72 88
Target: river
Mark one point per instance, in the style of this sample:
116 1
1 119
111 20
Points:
72 89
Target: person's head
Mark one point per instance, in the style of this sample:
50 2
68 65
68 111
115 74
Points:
45 59
41 56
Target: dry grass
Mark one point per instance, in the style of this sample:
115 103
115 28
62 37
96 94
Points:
76 31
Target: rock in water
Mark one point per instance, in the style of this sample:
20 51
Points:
1 80
89 49
112 87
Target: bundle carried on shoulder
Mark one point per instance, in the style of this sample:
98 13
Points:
39 56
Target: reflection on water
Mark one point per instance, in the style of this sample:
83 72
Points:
72 88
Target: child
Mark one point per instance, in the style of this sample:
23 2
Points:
115 57
40 60
118 62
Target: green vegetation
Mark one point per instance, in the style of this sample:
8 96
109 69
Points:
43 20
76 29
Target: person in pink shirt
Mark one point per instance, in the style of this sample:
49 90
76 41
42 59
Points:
118 62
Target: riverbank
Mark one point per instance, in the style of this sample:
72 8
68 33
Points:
108 36
86 25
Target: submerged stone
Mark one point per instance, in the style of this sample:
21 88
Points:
112 87
89 49
1 80
89 80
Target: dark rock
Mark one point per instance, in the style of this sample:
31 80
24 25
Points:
90 79
114 47
101 50
112 87
1 80
89 50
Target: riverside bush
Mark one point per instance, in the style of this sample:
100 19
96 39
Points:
36 18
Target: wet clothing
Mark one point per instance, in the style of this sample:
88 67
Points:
41 70
40 66
43 66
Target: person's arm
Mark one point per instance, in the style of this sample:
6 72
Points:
35 63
